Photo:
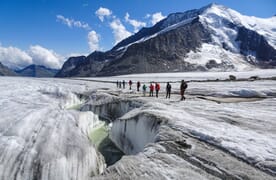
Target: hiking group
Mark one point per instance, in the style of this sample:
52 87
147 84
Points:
155 87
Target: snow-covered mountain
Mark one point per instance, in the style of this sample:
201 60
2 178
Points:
213 38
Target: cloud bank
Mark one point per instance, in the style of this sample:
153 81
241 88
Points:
16 58
45 57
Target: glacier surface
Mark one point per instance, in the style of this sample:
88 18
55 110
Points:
223 130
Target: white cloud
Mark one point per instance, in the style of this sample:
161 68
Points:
148 16
119 30
136 24
45 57
72 23
156 17
102 13
14 58
93 40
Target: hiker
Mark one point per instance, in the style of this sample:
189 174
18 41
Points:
151 89
117 84
124 84
130 84
120 84
157 88
144 89
168 90
183 87
138 85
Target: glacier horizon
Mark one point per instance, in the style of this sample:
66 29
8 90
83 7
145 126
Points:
43 136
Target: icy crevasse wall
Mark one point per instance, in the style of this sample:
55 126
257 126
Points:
110 108
131 134
132 128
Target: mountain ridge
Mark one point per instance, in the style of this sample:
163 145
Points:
178 42
37 71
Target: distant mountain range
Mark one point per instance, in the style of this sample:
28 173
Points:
29 71
37 71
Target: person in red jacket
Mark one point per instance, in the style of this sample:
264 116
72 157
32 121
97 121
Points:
157 88
151 89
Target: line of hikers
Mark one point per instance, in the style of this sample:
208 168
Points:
155 87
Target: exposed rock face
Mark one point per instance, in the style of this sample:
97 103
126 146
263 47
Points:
87 66
251 41
166 46
37 71
170 20
162 53
5 71
91 64
68 67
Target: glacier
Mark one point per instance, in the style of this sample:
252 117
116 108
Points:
224 130
40 137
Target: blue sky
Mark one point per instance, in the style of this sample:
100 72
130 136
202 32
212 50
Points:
48 31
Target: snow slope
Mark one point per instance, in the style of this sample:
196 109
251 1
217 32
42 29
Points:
208 52
218 17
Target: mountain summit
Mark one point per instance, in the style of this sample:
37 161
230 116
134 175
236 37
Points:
212 38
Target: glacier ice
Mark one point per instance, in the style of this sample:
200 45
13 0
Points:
43 136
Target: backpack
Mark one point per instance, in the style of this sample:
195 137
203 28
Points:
144 87
169 87
151 87
157 87
184 86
